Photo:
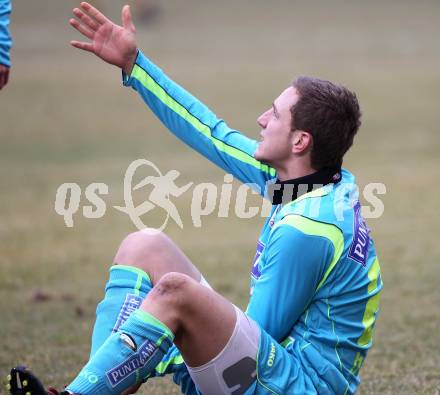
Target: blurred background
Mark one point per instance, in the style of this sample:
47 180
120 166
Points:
65 117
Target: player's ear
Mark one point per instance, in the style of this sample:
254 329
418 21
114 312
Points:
301 141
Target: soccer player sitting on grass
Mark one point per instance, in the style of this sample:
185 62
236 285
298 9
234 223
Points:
315 279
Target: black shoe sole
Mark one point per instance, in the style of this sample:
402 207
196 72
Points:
22 381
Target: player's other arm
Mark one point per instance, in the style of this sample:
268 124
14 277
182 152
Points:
5 42
295 264
180 112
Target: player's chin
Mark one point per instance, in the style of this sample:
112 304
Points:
260 156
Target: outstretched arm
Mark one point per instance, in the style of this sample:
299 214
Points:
184 115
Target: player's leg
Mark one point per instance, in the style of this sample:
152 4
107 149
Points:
218 342
141 260
229 365
156 254
201 319
200 322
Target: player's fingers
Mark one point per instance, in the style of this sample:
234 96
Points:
2 80
81 28
89 22
127 20
95 13
82 45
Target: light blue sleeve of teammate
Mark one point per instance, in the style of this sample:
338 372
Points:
295 263
5 37
196 125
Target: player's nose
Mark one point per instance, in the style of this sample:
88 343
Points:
262 120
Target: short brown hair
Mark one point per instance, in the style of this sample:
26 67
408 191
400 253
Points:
331 114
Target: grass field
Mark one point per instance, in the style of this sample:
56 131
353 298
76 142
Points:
64 117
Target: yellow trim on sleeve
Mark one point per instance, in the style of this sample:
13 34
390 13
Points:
150 84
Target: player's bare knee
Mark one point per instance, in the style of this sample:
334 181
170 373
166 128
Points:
167 299
174 282
174 287
138 248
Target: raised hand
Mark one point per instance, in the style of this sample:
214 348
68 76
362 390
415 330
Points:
112 43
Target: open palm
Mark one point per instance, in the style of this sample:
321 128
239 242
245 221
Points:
112 43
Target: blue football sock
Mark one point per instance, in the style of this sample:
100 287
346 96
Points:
126 288
126 357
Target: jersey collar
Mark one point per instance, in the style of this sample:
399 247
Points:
286 191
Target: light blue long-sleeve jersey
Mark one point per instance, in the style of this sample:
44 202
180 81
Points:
5 37
316 284
315 279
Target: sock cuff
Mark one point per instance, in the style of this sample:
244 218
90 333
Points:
143 324
132 269
152 320
122 276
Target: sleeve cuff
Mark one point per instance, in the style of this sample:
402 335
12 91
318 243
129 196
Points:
126 79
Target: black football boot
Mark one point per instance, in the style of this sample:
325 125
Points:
21 381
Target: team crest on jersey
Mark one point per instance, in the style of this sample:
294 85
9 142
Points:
361 237
255 272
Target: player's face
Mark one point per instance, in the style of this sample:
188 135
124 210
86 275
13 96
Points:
276 142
